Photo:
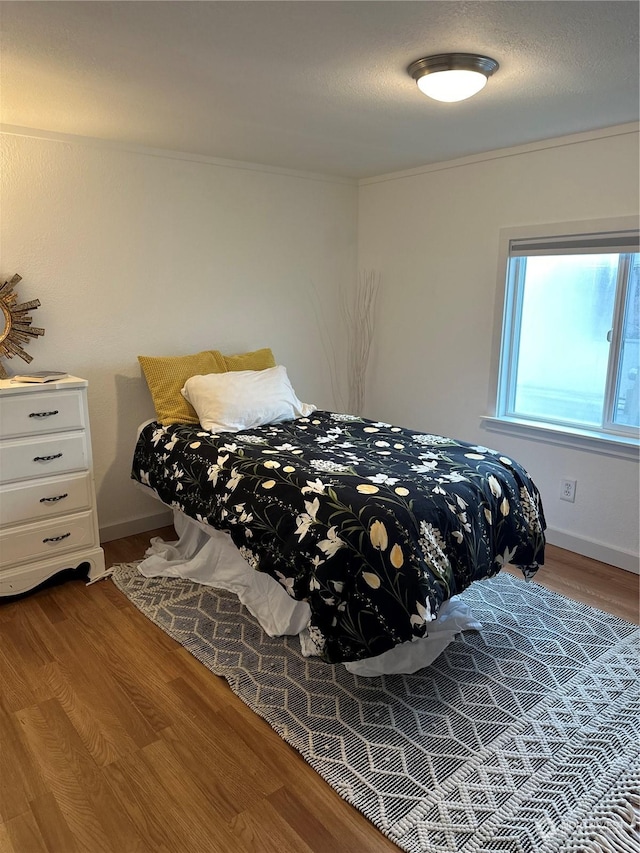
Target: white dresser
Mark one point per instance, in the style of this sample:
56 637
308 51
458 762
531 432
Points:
48 518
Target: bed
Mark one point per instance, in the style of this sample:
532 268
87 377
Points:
369 530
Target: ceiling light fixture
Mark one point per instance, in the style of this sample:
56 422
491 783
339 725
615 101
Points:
452 76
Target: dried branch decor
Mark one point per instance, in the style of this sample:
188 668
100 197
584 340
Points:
15 323
359 312
355 332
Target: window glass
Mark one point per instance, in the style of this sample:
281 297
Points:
570 353
567 310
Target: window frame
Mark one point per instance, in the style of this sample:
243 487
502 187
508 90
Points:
612 438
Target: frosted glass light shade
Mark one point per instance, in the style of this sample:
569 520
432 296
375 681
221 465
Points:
452 76
452 85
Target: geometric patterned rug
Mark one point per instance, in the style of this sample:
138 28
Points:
523 737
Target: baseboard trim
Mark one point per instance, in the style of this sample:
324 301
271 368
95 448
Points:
618 557
138 525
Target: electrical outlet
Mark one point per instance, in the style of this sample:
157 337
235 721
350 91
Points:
568 490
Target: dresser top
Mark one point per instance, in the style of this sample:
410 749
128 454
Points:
11 386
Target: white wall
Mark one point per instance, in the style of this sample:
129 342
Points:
433 236
133 252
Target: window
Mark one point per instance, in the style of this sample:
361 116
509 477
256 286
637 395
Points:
570 340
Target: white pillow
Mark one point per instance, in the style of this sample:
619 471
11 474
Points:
243 399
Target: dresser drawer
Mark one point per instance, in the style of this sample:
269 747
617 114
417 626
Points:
36 500
40 412
32 542
39 457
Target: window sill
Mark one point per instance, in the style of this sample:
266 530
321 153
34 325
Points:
594 442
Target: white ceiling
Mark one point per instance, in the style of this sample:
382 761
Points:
317 86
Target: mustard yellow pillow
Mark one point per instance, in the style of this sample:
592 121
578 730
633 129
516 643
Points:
166 376
259 359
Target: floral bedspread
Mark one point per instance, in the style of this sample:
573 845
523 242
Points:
372 524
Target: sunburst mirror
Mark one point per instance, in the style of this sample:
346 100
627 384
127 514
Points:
15 323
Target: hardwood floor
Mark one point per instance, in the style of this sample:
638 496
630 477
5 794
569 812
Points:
114 739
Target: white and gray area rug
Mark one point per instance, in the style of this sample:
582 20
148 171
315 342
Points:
521 738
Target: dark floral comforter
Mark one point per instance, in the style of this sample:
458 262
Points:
372 524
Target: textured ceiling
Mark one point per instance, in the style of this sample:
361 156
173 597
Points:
319 86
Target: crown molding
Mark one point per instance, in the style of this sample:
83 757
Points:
514 151
165 153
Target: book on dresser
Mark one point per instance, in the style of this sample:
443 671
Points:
39 376
48 518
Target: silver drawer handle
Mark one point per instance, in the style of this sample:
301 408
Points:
54 499
43 414
56 538
47 458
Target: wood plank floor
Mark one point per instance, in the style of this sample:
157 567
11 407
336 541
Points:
113 739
